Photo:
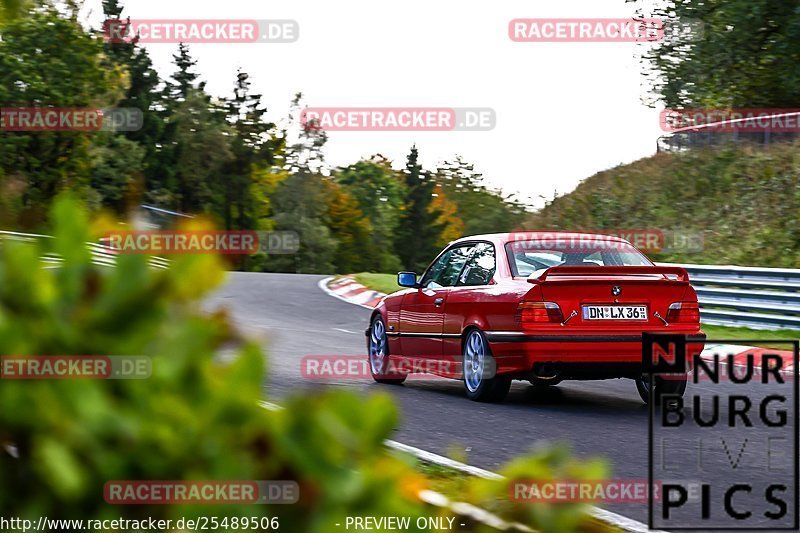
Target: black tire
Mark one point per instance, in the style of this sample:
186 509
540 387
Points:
673 385
484 385
377 366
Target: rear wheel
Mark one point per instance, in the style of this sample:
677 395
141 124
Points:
480 377
379 354
673 385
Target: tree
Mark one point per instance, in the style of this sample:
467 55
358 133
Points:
452 224
350 228
11 9
196 145
143 93
183 80
116 173
419 230
201 144
304 141
301 200
380 192
742 53
255 143
489 211
164 183
49 60
300 205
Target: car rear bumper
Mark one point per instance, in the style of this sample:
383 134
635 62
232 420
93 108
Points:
520 351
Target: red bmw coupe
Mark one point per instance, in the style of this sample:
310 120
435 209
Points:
535 306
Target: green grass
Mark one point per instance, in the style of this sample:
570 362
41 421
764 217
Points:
447 481
732 334
386 283
453 484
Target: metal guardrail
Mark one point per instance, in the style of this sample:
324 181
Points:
753 297
705 135
101 255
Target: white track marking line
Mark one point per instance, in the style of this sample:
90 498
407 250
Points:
345 331
441 460
617 520
269 406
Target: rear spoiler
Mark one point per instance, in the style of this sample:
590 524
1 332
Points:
590 271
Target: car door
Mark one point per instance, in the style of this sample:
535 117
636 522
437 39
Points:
469 291
422 313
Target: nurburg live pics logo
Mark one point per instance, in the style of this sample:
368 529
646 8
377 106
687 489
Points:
733 433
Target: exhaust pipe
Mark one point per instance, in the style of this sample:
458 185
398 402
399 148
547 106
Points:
545 374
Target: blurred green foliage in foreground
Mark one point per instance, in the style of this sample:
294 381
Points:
197 417
544 464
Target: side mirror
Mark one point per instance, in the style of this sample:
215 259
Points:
407 279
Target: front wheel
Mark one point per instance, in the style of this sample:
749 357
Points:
379 355
480 377
672 385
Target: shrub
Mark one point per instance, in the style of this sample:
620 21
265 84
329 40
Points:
195 418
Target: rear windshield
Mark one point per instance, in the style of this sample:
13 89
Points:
533 256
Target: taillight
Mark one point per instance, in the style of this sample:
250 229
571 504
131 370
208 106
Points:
529 313
683 312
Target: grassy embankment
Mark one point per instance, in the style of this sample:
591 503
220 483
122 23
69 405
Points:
744 200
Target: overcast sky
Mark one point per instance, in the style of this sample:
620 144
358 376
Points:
564 110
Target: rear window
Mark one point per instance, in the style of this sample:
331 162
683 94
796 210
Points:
533 256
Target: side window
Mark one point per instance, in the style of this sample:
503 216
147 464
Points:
480 267
444 272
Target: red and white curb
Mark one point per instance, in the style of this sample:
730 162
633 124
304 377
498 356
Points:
740 354
348 289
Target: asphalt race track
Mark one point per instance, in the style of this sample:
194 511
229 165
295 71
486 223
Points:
295 318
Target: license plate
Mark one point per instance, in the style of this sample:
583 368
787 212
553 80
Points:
615 312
